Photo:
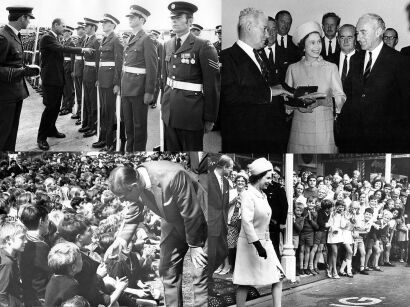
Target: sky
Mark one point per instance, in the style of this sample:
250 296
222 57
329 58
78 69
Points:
72 11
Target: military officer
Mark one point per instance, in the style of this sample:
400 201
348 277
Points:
191 73
13 88
138 80
218 43
159 87
91 64
196 29
68 91
78 71
109 77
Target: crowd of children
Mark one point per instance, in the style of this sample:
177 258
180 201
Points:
57 219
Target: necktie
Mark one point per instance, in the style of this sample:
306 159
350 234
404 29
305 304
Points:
368 67
178 44
329 51
344 69
271 61
262 64
19 36
282 42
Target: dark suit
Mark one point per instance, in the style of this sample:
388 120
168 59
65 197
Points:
139 52
78 74
179 200
111 51
90 73
159 86
333 57
68 91
279 204
375 117
13 87
251 120
405 51
52 76
184 112
291 53
218 205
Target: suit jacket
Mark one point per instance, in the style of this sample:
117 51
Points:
52 60
278 203
177 198
196 61
334 56
405 51
249 121
218 205
140 52
111 50
375 116
291 54
12 84
90 73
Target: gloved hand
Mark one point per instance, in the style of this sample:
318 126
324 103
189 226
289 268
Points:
31 71
261 250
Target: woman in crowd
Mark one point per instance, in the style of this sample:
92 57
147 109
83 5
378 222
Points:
256 260
312 127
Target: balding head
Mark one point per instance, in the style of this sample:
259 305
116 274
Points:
123 179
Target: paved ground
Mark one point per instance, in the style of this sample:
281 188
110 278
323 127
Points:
388 288
74 141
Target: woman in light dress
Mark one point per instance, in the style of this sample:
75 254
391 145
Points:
312 127
256 261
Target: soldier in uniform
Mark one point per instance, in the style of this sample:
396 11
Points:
78 71
196 29
218 43
159 87
138 80
109 77
91 63
191 74
13 88
68 92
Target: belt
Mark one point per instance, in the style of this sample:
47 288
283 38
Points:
67 58
78 57
135 70
107 64
89 63
187 86
261 236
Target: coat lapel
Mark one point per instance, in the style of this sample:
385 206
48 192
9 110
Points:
136 37
187 45
13 34
216 186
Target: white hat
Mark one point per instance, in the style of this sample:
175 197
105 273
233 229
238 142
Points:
305 29
259 166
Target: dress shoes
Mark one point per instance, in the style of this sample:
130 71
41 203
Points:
84 129
64 112
57 135
78 122
43 145
99 144
153 106
75 116
90 133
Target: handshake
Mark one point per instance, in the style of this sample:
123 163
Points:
31 70
88 50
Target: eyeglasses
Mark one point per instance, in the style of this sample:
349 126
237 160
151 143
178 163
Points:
389 37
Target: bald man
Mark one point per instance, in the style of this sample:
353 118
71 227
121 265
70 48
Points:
170 192
376 115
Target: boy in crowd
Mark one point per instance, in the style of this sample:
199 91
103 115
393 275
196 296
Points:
361 229
298 221
12 241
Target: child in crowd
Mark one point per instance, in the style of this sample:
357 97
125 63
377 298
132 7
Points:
350 216
363 224
386 236
12 241
307 235
298 221
65 262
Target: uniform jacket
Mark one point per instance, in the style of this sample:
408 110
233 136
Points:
69 65
218 205
378 110
12 84
79 64
160 52
52 60
90 73
189 110
140 52
111 50
177 198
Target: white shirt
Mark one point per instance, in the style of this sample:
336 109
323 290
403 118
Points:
267 51
143 172
341 60
334 42
51 31
219 177
285 40
375 54
183 38
249 51
14 30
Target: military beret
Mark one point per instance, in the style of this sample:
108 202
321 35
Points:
136 10
181 7
196 27
110 18
91 22
20 10
218 29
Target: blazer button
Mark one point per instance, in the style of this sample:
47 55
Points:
363 95
175 56
173 66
